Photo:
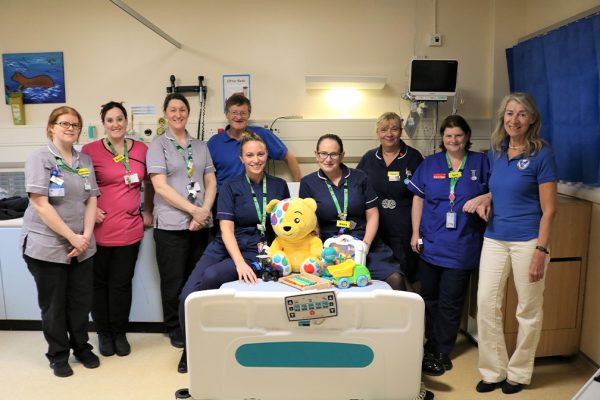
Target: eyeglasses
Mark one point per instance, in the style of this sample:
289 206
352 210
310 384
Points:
67 125
242 114
323 155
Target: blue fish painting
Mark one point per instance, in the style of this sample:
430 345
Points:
39 76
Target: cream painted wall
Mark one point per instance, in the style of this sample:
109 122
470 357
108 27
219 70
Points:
544 13
109 55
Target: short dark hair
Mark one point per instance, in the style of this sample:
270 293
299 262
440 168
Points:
331 136
175 96
456 121
109 106
238 100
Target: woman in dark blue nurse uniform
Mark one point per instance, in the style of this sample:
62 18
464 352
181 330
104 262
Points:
241 211
451 238
389 168
345 198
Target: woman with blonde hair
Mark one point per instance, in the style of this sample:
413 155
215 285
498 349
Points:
522 184
389 168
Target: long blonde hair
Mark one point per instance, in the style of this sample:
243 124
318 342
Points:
533 140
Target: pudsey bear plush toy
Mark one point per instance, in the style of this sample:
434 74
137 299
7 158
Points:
296 248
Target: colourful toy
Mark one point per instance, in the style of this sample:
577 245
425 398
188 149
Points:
349 273
263 268
347 247
305 282
296 248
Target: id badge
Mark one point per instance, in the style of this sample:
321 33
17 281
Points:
57 180
451 220
191 188
55 191
86 186
134 178
342 224
394 176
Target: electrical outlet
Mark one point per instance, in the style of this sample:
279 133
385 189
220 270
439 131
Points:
435 40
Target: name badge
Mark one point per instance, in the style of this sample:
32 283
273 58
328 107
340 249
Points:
83 171
55 190
394 176
454 174
57 180
193 187
118 158
133 178
342 224
451 220
86 186
439 176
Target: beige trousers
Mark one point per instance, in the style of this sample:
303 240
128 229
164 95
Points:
498 258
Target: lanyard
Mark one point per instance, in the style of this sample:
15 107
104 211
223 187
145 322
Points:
77 171
454 177
189 163
123 159
261 216
341 215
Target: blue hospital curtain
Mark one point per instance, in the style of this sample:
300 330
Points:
561 70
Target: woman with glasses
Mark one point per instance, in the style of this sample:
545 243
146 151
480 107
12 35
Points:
346 203
389 168
183 177
244 224
120 166
447 238
58 242
225 146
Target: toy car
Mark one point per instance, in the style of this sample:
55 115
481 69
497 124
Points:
263 268
349 273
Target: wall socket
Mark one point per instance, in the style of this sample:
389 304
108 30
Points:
435 40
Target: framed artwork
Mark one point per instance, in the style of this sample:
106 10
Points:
39 76
235 84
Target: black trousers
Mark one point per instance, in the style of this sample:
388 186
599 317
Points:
113 271
444 291
177 253
65 299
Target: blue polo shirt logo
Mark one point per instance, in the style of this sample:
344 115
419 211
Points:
523 164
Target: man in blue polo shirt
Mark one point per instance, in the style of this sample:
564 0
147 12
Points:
225 146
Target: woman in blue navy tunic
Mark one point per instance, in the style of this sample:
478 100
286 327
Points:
241 211
347 203
451 239
389 168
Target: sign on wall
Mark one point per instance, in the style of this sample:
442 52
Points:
235 84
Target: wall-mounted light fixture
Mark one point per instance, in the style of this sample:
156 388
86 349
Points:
344 82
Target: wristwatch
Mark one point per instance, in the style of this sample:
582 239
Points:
542 249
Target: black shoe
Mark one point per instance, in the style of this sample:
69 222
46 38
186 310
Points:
429 395
176 338
445 360
431 365
122 347
507 388
484 387
182 366
106 344
62 369
88 359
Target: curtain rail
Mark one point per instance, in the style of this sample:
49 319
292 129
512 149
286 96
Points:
585 14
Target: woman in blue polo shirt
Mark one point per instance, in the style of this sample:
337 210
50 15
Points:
242 217
523 191
345 194
389 168
451 238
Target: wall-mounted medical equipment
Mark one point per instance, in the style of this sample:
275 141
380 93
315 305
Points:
432 80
